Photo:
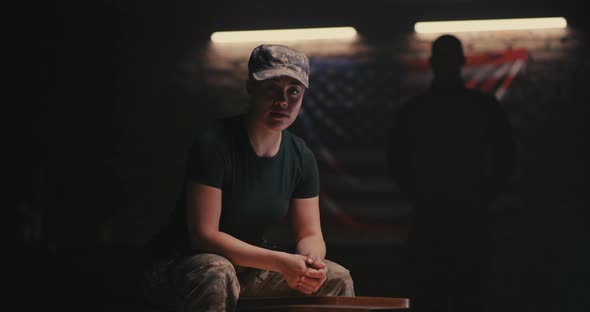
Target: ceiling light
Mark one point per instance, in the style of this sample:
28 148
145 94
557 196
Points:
284 34
490 25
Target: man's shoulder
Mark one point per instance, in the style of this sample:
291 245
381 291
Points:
481 96
464 95
410 104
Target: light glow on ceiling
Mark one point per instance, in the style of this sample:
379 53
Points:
284 34
490 25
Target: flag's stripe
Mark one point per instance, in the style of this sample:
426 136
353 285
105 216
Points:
509 78
479 75
491 82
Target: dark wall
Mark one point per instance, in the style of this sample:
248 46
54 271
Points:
99 114
98 88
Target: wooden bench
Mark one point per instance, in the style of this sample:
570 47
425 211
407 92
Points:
322 304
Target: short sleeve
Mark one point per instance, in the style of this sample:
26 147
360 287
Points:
206 163
308 183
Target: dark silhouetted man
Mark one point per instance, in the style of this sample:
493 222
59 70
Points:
451 153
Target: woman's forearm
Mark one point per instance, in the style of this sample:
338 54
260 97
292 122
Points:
312 246
238 251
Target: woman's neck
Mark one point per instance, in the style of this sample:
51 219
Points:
264 141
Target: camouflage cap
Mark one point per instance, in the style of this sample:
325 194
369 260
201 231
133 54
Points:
273 60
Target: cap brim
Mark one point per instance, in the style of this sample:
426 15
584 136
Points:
272 73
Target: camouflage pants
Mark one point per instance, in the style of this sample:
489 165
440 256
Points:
209 282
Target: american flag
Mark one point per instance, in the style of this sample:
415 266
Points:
346 117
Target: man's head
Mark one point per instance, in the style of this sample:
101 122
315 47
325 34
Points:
278 76
447 56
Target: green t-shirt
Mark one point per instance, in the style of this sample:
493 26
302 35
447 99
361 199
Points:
256 191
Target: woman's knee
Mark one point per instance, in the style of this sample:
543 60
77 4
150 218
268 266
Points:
208 267
339 281
210 281
210 273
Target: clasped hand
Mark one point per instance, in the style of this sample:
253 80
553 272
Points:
305 274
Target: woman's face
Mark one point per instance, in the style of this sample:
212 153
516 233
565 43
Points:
276 102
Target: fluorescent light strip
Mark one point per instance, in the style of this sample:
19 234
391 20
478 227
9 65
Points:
284 34
490 24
